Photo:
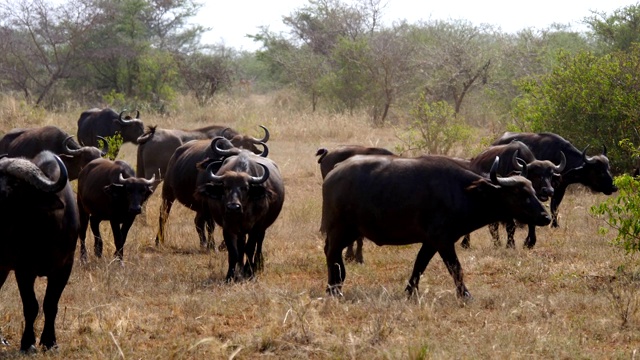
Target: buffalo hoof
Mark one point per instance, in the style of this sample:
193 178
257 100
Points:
334 290
410 290
31 349
465 296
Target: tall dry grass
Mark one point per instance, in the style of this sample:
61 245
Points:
566 298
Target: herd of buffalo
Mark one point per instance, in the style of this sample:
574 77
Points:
227 179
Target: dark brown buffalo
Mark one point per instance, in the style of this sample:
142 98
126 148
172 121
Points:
156 146
433 200
328 160
30 142
39 222
244 197
541 173
593 172
109 190
106 122
180 184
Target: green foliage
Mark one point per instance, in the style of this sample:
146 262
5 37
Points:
617 31
588 99
115 143
435 129
622 213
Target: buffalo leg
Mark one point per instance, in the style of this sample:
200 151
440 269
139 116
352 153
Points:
235 253
253 250
530 241
448 255
3 278
494 230
165 209
466 240
202 228
422 260
556 199
357 256
84 223
97 238
55 285
121 236
335 266
511 231
29 308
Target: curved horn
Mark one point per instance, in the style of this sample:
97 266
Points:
212 176
563 163
29 172
150 181
585 158
523 169
260 179
604 149
266 136
105 146
222 152
494 169
265 149
120 119
224 131
121 178
514 161
69 150
137 114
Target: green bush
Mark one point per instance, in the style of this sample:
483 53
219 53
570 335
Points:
435 128
114 142
622 213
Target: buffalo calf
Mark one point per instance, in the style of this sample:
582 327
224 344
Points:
39 225
109 190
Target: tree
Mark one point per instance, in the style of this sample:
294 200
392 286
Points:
617 31
589 100
455 59
205 73
42 44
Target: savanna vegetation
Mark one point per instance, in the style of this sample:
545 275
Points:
340 75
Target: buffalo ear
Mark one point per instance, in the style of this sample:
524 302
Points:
212 191
113 189
481 186
257 192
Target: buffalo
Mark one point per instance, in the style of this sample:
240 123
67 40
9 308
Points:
106 122
39 222
433 200
109 190
156 146
29 142
244 196
180 183
593 172
541 173
328 160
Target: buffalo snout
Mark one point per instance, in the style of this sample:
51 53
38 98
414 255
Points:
234 207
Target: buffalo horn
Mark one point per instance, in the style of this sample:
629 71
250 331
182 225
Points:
212 176
563 163
150 181
523 167
121 120
222 152
265 149
501 181
514 161
604 150
120 179
260 179
266 136
69 150
105 145
585 158
29 172
137 114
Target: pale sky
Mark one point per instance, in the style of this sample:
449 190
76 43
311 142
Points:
231 20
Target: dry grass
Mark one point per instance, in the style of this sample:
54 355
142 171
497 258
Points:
563 299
